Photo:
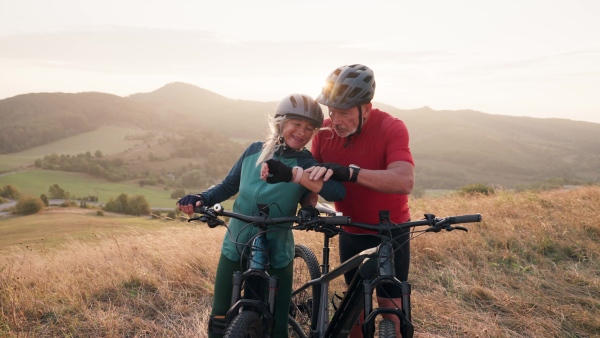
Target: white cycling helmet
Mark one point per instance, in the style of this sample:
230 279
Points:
300 106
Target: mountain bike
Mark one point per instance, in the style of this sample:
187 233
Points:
375 267
254 291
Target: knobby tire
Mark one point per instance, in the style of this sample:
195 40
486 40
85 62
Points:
246 324
304 307
387 329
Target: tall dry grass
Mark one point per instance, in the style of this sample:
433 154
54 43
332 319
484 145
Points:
531 269
155 284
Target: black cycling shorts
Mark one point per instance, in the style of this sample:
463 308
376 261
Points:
351 244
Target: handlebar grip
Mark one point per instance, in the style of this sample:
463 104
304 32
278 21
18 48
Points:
337 220
473 218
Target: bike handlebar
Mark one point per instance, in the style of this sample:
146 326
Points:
310 219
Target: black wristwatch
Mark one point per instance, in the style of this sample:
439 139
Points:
355 170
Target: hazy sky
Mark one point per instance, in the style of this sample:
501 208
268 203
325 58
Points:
538 58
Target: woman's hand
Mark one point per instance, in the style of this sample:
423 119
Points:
187 203
274 171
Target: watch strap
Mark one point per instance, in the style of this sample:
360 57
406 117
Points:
354 176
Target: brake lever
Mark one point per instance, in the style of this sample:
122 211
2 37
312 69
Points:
212 222
307 225
435 228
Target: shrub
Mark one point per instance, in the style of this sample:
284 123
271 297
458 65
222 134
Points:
68 203
10 192
100 213
44 199
28 205
56 192
137 205
477 188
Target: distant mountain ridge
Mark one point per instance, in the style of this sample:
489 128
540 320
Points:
30 120
190 106
459 146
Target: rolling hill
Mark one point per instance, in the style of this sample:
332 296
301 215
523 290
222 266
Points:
451 148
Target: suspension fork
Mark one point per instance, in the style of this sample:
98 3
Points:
323 318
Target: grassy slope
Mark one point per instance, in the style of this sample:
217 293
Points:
57 226
529 270
108 139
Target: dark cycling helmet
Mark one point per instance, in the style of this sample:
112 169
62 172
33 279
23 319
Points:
348 86
300 106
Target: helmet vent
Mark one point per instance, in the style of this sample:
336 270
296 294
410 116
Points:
342 90
305 103
294 102
354 92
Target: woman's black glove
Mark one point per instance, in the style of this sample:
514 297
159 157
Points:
340 173
191 199
278 172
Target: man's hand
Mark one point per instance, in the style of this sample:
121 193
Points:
329 170
274 171
187 203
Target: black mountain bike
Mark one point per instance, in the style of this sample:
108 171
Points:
254 291
251 313
375 266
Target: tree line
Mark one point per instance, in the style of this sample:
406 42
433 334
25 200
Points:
27 205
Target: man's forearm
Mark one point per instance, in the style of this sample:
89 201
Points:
389 181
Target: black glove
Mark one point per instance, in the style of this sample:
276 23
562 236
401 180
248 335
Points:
340 173
278 172
191 199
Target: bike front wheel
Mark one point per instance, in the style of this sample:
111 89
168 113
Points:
304 307
387 329
247 324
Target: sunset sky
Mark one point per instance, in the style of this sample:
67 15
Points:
525 58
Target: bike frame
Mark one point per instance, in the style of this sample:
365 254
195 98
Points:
254 279
260 288
375 266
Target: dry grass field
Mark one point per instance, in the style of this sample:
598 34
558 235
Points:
530 269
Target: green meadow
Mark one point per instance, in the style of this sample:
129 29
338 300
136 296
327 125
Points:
36 182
